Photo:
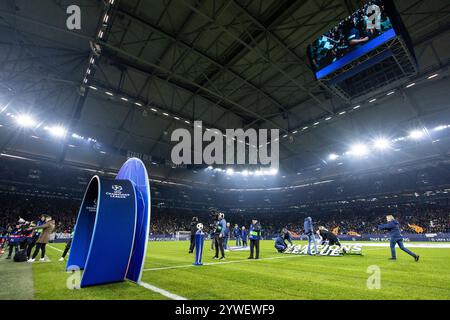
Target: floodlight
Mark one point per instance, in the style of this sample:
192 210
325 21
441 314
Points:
417 134
381 144
359 150
25 121
57 131
333 157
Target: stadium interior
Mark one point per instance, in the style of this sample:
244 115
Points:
78 103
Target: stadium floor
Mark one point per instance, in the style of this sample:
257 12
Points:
169 274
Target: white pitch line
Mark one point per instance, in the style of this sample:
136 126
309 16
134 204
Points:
222 263
148 286
54 248
161 291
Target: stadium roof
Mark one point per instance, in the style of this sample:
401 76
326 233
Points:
160 65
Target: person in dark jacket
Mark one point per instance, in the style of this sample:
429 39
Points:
255 236
226 236
309 232
244 235
219 235
35 236
393 227
280 244
237 235
286 235
326 235
193 229
14 239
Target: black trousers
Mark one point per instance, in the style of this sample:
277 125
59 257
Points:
218 242
192 245
254 247
31 246
39 246
67 248
11 247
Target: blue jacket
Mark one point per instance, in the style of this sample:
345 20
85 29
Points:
244 234
280 242
255 231
308 226
236 232
221 227
226 232
393 227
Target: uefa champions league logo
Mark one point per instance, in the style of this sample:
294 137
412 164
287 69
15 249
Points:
117 192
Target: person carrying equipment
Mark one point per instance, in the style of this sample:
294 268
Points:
255 236
219 235
393 227
309 232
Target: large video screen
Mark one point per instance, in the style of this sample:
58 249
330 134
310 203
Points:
363 31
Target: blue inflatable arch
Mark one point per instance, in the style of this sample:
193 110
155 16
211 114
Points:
112 228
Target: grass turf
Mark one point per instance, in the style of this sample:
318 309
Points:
276 276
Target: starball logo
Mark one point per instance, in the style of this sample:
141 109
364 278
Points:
234 146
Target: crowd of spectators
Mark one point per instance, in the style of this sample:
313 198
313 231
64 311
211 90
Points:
432 218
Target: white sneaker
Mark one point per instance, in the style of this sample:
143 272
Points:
61 259
42 259
31 260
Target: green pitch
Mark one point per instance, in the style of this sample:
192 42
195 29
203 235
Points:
275 276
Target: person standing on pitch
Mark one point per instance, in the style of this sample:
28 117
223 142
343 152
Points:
255 236
193 228
36 234
44 238
67 248
237 235
219 235
227 236
309 232
244 235
393 227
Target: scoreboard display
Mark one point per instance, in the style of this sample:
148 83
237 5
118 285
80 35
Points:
367 28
